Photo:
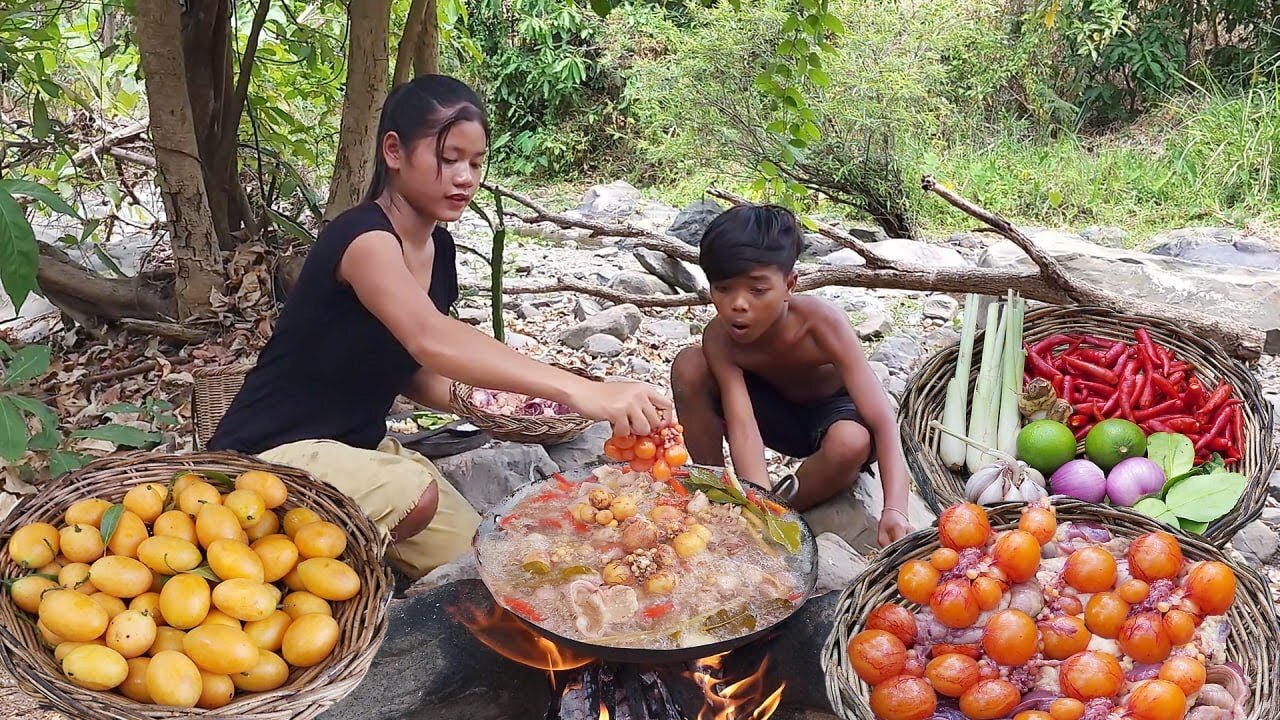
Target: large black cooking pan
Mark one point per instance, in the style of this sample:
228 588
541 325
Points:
805 563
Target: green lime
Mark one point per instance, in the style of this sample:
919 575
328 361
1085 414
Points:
1113 440
1046 445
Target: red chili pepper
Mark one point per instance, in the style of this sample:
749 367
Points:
1237 429
1144 340
1164 386
657 611
1126 393
1140 398
1177 379
677 486
795 596
1080 433
1182 424
1218 426
1096 357
1154 412
1159 426
1101 342
507 520
1164 359
1039 366
1097 389
1090 369
544 497
1113 355
1220 444
1216 398
1087 408
1194 394
1053 341
1068 387
522 608
1113 402
1057 383
680 473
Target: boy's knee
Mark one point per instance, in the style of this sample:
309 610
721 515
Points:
847 443
689 371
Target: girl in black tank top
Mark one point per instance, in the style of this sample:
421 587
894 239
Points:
368 318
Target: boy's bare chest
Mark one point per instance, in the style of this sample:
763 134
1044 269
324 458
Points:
801 371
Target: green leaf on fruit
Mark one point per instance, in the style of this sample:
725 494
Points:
110 521
1205 498
1173 452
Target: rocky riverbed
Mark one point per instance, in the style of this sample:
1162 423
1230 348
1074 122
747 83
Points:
1215 270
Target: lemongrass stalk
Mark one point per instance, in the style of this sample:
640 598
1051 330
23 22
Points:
988 374
1011 381
956 410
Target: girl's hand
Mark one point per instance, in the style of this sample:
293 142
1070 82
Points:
893 525
632 408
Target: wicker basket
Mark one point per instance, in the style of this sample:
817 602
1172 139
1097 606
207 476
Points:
926 394
211 395
309 691
534 429
1252 642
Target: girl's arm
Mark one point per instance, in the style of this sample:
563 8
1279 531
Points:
373 266
430 389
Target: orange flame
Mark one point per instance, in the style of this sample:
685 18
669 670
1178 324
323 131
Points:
604 711
735 700
507 636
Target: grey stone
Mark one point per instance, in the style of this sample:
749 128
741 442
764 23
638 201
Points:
605 252
639 366
1273 486
896 386
473 316
838 564
941 337
940 307
693 220
652 215
638 283
1257 543
1248 294
1271 516
669 329
620 321
602 346
528 312
583 451
486 476
616 199
1217 246
899 353
852 300
671 271
881 370
464 568
516 341
844 256
876 324
854 515
818 246
1106 236
584 308
915 252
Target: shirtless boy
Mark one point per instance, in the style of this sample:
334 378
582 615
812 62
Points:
783 371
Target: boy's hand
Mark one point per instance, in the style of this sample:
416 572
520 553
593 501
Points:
893 526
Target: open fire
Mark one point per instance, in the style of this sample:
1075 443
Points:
597 690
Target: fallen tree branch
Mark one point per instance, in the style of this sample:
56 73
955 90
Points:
639 236
1236 339
139 369
69 286
133 157
168 330
604 293
112 139
873 258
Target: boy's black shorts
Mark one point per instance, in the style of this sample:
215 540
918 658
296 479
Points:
796 429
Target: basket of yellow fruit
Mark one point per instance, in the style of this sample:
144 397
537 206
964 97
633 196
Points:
147 586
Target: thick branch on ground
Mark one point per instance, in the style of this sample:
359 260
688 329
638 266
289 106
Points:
540 287
190 334
873 258
85 293
637 235
1236 339
112 139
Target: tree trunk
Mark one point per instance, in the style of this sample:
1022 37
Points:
196 256
368 21
85 293
206 49
407 51
426 59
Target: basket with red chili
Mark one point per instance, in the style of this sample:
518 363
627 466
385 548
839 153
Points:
1113 366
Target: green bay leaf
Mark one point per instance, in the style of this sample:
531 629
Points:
1205 498
1155 509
